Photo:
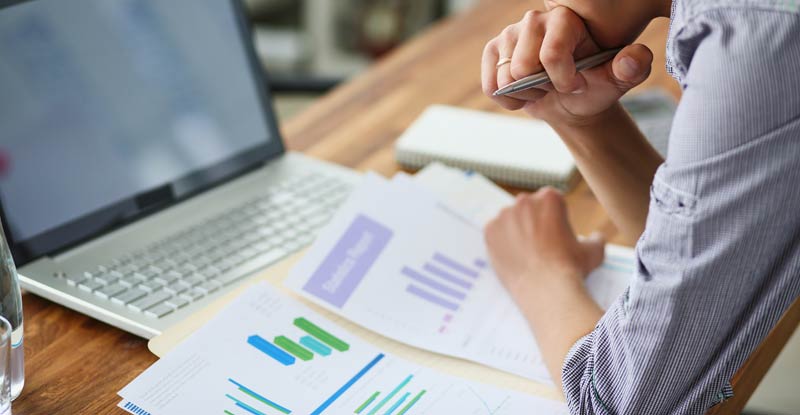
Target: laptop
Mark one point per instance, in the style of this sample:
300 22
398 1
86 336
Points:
142 173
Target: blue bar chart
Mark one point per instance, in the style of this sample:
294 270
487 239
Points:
443 281
352 381
315 342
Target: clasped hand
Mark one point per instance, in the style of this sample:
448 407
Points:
552 41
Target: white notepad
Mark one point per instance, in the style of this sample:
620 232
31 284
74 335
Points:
512 150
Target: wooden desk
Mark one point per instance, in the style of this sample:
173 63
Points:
75 365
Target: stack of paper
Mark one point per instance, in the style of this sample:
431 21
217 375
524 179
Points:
398 260
404 258
268 354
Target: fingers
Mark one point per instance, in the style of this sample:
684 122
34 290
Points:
630 67
541 41
565 31
508 42
489 74
525 60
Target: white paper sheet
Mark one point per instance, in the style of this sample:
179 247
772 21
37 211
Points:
235 365
399 261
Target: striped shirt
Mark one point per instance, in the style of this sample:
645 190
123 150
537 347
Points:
719 260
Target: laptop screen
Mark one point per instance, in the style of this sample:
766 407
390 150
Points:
110 106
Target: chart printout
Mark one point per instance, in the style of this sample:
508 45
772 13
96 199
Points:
266 354
398 261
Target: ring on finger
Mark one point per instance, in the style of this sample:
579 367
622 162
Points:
503 62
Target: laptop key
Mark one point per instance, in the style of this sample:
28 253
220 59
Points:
210 286
149 273
151 286
176 302
130 281
209 272
195 279
168 277
110 290
75 279
177 287
90 285
129 296
150 300
193 294
159 311
107 278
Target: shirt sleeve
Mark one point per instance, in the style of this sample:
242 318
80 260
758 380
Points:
719 258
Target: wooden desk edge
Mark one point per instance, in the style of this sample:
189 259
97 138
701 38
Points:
754 369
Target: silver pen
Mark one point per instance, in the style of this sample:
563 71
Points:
541 78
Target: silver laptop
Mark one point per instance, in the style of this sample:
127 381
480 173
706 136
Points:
142 173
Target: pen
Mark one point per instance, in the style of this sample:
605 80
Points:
541 78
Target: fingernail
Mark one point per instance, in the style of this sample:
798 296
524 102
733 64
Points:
628 67
580 86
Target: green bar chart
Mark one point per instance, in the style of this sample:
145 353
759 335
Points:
293 348
321 335
314 340
397 402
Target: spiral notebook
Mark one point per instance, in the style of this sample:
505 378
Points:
512 150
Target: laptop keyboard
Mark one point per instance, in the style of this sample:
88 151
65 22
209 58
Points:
220 251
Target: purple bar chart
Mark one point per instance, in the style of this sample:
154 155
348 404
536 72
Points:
442 281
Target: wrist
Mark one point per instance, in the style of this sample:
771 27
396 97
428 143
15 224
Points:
596 134
537 296
576 125
546 282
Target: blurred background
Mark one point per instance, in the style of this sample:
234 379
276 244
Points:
309 46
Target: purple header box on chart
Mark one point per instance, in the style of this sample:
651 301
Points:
349 261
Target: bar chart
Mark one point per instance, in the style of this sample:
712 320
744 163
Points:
442 281
314 341
347 385
252 402
346 375
397 402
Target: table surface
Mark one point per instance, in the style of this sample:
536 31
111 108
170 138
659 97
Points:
76 365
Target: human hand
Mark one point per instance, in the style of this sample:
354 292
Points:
552 41
532 243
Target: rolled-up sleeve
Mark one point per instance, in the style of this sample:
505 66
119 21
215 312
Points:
719 260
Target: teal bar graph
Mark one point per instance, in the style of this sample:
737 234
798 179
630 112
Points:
390 395
249 392
245 406
397 404
315 345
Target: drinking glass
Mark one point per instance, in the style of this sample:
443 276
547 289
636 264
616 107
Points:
5 367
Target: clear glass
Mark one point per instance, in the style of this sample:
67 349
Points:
5 367
11 310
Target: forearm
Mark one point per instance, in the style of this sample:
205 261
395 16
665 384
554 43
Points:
560 312
617 162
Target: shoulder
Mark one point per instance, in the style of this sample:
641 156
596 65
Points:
758 27
737 64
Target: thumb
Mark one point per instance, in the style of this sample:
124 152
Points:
630 67
593 247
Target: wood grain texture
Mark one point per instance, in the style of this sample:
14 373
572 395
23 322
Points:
75 365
